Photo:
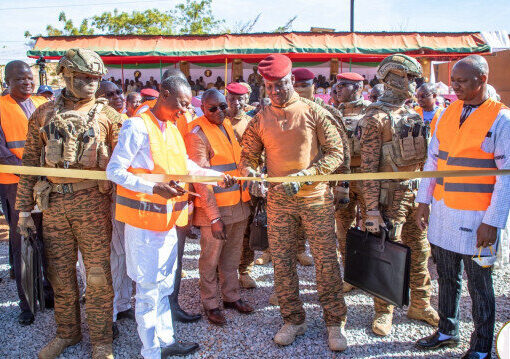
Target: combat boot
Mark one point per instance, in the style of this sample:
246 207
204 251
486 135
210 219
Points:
336 337
57 345
382 323
288 333
273 299
428 315
264 258
347 287
247 282
304 259
102 351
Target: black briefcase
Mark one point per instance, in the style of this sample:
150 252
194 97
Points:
378 266
258 228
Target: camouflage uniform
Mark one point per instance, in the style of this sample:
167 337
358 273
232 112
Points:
77 220
352 113
394 139
296 137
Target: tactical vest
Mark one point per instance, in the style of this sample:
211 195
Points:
353 126
460 149
409 143
74 139
14 124
227 155
151 211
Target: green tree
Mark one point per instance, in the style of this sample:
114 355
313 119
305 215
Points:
195 17
150 22
69 28
287 27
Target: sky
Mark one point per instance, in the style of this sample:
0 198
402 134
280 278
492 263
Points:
370 15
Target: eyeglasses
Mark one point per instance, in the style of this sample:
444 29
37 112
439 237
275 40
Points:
222 107
113 93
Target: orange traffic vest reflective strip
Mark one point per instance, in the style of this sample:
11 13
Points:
227 155
14 124
433 122
181 121
460 149
154 212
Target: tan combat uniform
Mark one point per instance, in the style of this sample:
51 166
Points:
75 219
295 137
352 113
384 135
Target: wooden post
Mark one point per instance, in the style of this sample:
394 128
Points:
226 74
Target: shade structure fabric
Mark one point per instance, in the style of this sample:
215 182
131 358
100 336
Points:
299 46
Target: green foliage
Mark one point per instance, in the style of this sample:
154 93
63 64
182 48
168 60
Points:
69 28
195 17
150 22
287 27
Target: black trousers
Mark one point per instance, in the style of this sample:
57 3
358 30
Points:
450 266
8 194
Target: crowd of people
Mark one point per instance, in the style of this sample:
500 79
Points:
132 228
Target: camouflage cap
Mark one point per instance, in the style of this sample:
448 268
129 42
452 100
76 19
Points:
399 64
82 60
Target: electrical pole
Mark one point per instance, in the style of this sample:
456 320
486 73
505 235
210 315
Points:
352 15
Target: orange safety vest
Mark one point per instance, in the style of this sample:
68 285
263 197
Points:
433 122
181 122
14 124
227 155
460 149
151 211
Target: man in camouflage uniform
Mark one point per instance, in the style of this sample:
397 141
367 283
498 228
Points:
73 132
352 106
394 139
299 139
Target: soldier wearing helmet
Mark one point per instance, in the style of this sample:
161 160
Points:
73 132
394 139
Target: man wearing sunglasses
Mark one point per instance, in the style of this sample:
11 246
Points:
222 215
113 94
299 139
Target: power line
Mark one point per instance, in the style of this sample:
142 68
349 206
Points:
77 5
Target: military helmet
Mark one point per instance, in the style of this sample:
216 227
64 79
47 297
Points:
82 60
400 65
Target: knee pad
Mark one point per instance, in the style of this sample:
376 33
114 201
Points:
96 277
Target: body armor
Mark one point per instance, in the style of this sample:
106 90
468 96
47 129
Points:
352 114
73 139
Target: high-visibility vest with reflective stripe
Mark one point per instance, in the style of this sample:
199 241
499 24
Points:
154 212
227 155
14 124
433 122
460 149
181 121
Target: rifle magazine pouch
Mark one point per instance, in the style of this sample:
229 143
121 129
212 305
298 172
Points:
42 190
88 148
378 266
53 152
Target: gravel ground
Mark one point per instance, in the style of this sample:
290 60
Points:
251 336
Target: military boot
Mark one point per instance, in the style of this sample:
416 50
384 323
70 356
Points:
102 351
57 345
304 259
382 323
428 314
273 299
336 337
288 333
264 258
347 287
247 282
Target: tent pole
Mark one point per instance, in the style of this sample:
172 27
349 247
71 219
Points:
160 72
350 64
122 72
226 73
341 66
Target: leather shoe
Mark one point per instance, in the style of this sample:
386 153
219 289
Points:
433 342
239 305
215 316
126 314
26 317
181 316
115 331
179 348
471 354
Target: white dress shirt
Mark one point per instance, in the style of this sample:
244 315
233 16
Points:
453 229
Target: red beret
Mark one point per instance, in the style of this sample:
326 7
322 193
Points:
235 88
303 74
149 92
350 76
275 67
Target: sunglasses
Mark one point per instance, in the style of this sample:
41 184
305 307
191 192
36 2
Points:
222 107
113 93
